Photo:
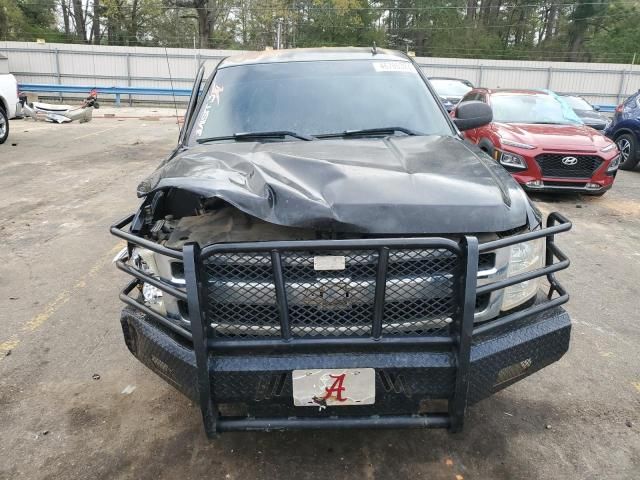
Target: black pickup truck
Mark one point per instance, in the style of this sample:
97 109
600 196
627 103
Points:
323 250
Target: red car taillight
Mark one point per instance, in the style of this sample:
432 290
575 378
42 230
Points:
619 108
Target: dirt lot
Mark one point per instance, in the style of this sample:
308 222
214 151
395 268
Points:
60 188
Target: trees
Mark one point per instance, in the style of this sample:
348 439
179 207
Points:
585 30
618 32
26 17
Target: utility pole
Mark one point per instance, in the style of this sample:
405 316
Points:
278 34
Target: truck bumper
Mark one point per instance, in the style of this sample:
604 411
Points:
259 385
249 368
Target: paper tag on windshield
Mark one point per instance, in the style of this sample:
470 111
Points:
329 262
405 67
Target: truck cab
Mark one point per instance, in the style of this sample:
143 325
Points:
324 250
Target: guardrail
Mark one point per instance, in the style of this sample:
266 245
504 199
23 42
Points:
117 91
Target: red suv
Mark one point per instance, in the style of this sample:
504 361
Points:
545 146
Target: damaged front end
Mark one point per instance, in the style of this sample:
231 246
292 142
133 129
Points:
290 274
227 307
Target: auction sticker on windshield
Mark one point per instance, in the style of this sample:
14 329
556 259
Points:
393 67
334 387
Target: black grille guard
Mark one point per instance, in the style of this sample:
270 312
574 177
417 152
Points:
462 329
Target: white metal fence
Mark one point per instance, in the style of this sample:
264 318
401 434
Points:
66 64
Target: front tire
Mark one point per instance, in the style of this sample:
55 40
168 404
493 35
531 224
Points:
628 146
4 126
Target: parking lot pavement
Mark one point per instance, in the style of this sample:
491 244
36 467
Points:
75 404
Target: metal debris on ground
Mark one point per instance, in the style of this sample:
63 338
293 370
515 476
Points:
128 390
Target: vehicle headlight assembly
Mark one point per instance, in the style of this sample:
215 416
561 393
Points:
511 160
609 147
144 260
526 146
524 257
615 163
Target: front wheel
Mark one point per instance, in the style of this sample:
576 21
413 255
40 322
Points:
4 126
628 146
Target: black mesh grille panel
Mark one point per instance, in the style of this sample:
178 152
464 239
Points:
574 166
330 302
337 301
241 295
420 292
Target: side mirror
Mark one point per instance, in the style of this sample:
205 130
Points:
596 107
472 114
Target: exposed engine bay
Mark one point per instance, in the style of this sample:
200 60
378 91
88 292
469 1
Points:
175 217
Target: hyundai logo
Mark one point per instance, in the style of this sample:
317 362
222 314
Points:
569 161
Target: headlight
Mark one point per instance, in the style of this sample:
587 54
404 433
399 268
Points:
609 147
524 257
512 160
144 260
615 163
526 146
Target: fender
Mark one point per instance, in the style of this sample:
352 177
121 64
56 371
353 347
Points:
487 145
630 125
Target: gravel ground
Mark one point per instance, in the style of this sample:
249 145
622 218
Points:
75 404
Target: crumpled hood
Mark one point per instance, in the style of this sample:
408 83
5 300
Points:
553 137
399 185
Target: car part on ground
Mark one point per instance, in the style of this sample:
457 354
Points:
625 131
543 144
60 113
336 273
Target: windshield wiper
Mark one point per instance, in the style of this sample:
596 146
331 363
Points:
257 135
369 131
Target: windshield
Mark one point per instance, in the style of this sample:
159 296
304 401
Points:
532 108
577 103
318 98
450 88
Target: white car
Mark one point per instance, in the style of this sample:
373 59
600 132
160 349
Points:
8 103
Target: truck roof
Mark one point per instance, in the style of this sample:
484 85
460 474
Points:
313 54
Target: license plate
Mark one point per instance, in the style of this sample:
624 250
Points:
335 387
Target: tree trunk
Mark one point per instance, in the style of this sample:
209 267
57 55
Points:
575 47
78 17
551 22
204 27
471 9
133 28
110 33
95 24
65 17
485 13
